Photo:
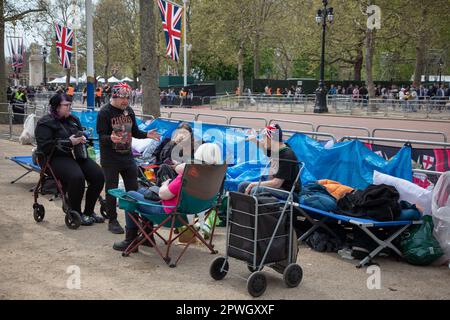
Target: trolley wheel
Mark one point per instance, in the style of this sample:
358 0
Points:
73 220
251 269
293 275
38 212
256 284
103 207
215 270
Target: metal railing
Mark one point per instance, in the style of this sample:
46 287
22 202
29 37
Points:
410 131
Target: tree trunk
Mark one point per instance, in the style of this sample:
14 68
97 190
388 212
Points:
357 66
256 58
370 46
420 52
67 78
3 76
241 67
149 60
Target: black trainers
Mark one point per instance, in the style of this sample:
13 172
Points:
97 218
86 220
115 227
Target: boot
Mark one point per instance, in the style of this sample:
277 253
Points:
130 235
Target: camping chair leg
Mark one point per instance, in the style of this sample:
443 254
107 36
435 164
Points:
213 226
381 244
195 235
316 225
26 173
170 240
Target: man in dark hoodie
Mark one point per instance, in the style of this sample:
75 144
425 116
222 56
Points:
116 125
59 130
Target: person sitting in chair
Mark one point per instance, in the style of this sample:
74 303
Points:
61 130
284 165
208 153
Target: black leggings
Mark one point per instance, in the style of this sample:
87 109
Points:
129 175
73 176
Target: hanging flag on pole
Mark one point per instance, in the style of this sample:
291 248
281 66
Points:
171 18
64 41
17 57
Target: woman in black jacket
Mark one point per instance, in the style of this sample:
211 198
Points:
60 130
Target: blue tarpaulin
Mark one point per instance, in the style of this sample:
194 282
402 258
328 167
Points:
350 163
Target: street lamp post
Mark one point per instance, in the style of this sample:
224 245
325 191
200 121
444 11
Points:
44 56
440 71
323 15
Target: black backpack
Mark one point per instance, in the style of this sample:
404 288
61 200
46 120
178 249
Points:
376 202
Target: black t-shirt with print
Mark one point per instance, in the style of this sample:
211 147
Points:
123 122
287 169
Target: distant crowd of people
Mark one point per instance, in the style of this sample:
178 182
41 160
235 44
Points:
184 97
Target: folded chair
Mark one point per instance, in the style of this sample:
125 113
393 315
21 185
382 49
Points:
319 218
200 192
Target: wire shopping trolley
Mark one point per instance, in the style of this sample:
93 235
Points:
260 232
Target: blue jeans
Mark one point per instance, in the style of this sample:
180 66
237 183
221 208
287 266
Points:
279 195
143 208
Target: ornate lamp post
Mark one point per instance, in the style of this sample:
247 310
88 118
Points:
44 58
323 15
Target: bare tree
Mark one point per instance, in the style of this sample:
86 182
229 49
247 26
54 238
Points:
149 60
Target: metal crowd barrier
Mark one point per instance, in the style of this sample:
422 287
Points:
309 124
247 118
410 131
344 127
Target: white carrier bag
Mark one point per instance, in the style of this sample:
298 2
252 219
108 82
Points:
440 208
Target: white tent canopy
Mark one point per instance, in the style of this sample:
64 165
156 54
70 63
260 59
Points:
113 79
63 80
100 79
126 79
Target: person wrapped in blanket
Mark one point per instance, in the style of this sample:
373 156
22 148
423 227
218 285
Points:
284 165
63 131
168 193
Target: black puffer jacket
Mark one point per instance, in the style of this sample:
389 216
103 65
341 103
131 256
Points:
50 131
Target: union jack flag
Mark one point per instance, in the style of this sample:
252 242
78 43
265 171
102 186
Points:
17 57
171 19
64 40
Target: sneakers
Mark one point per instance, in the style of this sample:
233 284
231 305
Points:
86 220
97 218
115 227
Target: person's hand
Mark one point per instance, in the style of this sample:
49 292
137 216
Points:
115 138
77 140
152 134
165 183
249 188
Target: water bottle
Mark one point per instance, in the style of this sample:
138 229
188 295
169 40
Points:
79 150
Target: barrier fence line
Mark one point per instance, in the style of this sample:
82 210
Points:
344 127
410 131
314 133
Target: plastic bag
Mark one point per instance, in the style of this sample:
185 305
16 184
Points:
27 135
419 247
440 208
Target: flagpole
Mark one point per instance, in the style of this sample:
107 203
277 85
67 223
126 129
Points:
185 45
90 56
76 56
